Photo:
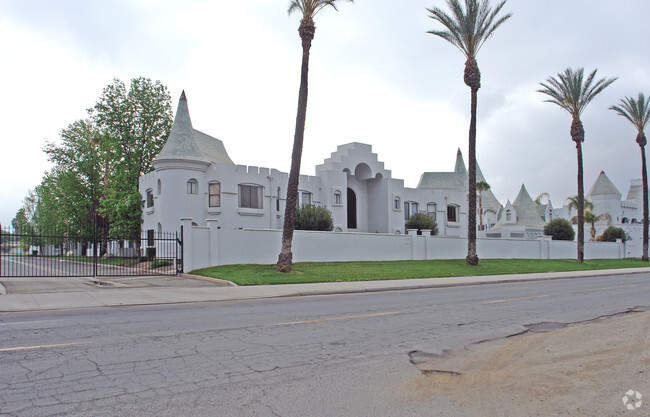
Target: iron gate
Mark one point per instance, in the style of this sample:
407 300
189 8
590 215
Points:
29 252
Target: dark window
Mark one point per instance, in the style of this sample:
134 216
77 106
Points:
149 198
214 194
250 196
192 187
150 239
452 214
410 208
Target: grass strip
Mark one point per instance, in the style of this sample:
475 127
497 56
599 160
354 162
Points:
306 272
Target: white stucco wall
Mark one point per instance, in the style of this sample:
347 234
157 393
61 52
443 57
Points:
209 246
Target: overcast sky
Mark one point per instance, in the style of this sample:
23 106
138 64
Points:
376 77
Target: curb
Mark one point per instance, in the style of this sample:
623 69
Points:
208 279
422 283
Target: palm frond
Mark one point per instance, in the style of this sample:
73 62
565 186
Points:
636 111
310 8
571 91
468 28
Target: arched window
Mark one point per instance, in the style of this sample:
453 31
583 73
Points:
625 220
192 186
214 194
397 204
352 209
508 215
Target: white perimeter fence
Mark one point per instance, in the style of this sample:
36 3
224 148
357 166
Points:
206 246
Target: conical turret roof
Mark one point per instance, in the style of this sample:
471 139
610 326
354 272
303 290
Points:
527 214
460 163
186 143
603 186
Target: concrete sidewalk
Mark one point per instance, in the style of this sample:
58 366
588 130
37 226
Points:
85 297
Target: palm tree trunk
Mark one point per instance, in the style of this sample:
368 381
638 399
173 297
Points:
581 206
644 174
480 210
306 31
472 257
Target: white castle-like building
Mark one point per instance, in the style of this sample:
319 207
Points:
194 178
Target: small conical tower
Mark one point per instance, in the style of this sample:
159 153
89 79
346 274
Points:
187 144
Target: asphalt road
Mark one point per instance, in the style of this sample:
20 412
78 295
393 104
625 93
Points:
336 355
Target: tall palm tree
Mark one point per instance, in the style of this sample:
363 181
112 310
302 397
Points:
572 92
638 113
468 29
480 187
307 29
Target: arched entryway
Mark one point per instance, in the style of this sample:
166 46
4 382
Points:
352 209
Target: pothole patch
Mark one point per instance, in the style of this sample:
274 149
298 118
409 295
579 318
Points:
431 363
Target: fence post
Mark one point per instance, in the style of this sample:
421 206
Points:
188 244
213 246
413 233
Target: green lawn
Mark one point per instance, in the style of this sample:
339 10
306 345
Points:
369 271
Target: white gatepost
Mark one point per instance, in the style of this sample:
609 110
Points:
414 235
427 237
621 249
213 248
188 246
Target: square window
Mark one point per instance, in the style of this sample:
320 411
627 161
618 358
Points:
250 196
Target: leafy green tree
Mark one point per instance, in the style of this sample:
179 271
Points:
311 217
25 223
559 229
638 113
468 29
422 221
308 9
76 184
612 233
134 126
572 92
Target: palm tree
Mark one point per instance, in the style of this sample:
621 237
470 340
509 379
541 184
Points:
307 29
591 218
572 92
480 187
638 113
573 203
468 29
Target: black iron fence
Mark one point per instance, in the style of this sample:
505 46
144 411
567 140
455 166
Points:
32 252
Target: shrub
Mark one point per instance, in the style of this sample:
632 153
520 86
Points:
151 253
310 217
559 229
612 233
422 221
159 263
